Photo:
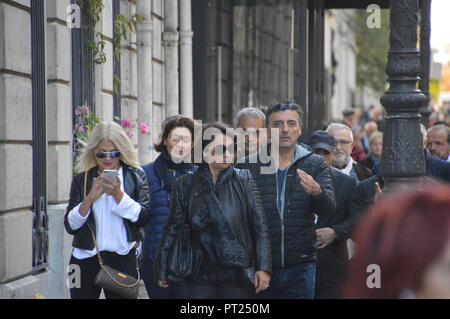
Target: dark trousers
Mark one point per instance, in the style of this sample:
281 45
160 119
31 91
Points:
176 290
331 272
89 268
292 282
201 289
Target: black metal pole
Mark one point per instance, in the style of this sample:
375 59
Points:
425 58
403 160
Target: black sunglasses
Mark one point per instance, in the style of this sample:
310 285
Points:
115 154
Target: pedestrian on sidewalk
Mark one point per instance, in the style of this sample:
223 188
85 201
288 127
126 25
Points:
175 147
223 209
114 210
332 233
299 187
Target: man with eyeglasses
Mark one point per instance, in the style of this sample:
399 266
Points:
332 234
299 187
342 159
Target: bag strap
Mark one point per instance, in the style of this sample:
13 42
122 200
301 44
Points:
100 259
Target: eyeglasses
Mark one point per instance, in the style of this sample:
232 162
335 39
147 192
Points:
343 142
114 154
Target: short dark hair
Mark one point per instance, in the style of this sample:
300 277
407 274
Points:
280 107
169 125
216 125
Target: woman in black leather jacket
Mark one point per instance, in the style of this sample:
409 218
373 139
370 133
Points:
229 227
115 210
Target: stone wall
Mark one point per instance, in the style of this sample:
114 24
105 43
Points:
17 279
15 143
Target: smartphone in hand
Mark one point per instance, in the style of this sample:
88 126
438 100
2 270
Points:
111 174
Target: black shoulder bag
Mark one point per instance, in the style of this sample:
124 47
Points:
184 259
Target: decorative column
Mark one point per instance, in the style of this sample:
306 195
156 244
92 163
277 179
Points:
186 70
144 77
403 160
170 39
425 58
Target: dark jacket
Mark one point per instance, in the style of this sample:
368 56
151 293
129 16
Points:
362 172
135 185
332 260
242 209
159 209
437 168
365 194
368 162
292 230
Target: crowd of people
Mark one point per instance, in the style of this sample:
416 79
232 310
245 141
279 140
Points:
273 223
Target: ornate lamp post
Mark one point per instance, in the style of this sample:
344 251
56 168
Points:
425 59
403 160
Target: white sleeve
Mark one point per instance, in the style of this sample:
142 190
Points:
127 208
76 221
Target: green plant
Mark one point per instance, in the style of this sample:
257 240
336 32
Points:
122 27
93 8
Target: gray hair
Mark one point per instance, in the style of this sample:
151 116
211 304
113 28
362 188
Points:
249 112
339 126
441 127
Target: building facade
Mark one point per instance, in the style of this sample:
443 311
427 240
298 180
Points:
244 53
46 71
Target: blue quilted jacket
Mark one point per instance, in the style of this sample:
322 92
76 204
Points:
159 209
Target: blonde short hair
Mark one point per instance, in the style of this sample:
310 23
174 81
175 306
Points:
109 131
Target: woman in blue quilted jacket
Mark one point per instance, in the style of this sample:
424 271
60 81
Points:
175 147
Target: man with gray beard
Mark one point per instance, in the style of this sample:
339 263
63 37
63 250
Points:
342 159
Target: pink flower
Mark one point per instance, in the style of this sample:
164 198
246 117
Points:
143 128
82 110
126 124
85 110
79 128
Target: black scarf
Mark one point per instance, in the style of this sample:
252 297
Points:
217 234
163 164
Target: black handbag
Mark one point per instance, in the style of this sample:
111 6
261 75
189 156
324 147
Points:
184 259
111 279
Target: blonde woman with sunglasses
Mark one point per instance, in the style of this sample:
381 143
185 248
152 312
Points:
114 207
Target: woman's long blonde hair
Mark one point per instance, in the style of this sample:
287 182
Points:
109 131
